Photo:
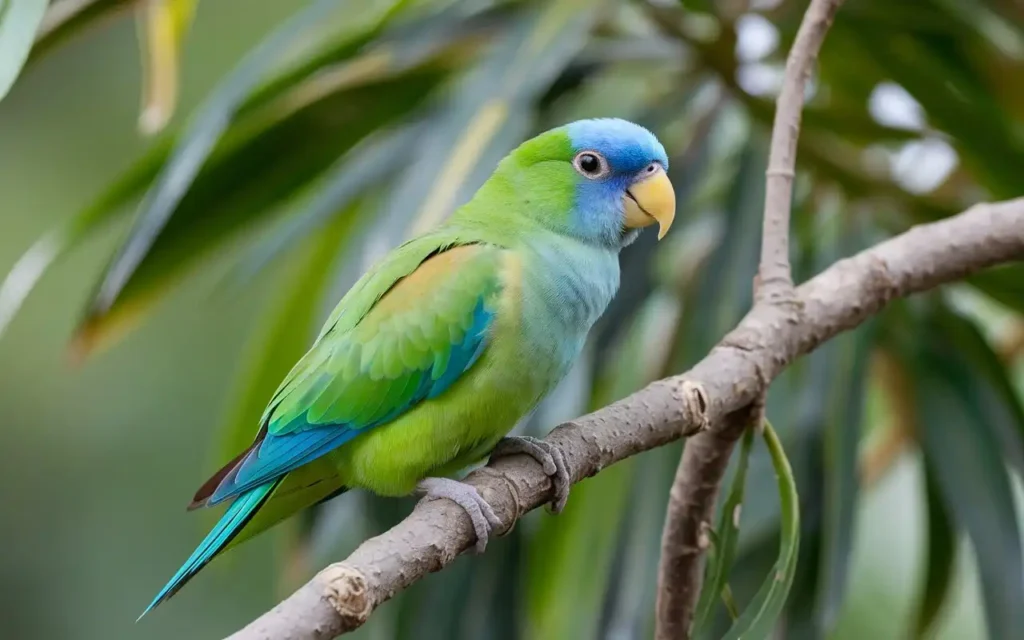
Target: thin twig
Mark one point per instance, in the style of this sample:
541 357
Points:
774 273
342 596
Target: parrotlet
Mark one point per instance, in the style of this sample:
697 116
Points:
431 358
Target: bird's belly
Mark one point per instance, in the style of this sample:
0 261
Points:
442 435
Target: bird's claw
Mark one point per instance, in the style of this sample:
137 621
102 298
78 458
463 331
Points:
466 496
550 459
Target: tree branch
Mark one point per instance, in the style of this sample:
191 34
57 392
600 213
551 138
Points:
775 278
690 511
692 500
342 596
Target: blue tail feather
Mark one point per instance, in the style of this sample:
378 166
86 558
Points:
233 520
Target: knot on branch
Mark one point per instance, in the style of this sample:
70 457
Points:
696 405
346 591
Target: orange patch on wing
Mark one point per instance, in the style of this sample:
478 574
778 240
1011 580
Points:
423 282
512 292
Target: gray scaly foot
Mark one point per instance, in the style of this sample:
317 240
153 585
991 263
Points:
467 497
549 457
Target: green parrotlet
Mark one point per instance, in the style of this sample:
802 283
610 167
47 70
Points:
434 354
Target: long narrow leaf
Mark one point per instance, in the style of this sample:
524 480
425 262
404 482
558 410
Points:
728 531
368 165
761 615
941 558
110 205
993 381
962 448
162 26
19 20
192 151
246 183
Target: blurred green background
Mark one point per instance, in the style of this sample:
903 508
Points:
917 113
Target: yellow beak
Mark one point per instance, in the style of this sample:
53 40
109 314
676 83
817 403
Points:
651 200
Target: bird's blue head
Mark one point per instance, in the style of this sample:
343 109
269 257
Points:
620 180
599 181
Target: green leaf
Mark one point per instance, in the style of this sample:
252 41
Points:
286 332
941 559
962 447
66 19
162 28
192 151
849 357
240 187
760 616
19 20
374 46
110 205
841 442
490 110
992 380
728 531
367 165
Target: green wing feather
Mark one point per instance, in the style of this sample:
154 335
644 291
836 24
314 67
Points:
403 334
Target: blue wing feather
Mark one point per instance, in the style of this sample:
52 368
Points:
279 454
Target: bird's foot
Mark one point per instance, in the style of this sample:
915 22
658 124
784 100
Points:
550 459
467 497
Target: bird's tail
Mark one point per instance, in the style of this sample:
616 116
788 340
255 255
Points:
234 519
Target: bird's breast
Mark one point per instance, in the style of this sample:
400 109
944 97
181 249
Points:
565 287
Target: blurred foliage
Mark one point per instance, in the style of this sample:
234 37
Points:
357 123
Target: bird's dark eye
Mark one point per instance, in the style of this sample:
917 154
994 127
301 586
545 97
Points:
651 168
591 164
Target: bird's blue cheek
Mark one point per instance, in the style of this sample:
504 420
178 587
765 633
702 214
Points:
599 207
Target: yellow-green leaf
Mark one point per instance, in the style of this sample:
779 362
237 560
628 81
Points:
162 28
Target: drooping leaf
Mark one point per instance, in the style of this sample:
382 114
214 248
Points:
723 553
843 410
941 559
189 156
19 20
162 26
842 436
761 614
962 447
992 380
243 186
110 205
380 44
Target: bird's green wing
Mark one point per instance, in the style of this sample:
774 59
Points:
403 334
